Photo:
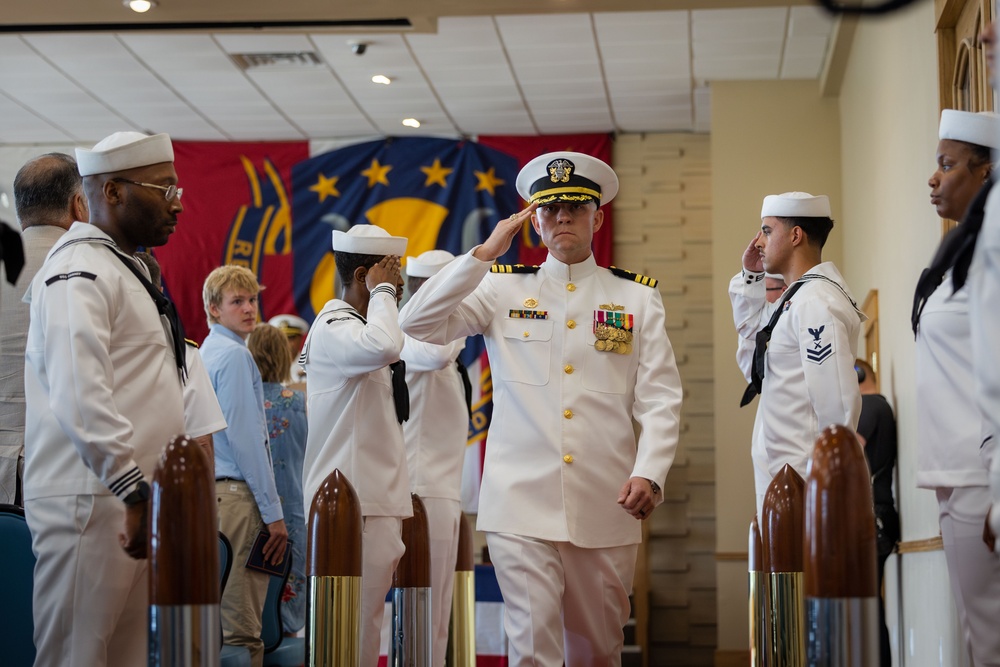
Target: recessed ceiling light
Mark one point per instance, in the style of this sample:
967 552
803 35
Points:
140 6
411 122
381 78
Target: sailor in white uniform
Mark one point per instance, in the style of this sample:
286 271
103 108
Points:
101 350
435 437
295 329
355 407
809 381
577 352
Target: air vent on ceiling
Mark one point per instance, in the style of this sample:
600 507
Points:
285 60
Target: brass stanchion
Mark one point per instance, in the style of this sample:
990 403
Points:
411 640
782 525
462 638
333 566
184 591
759 650
840 571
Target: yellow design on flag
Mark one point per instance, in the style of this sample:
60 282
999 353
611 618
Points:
488 181
326 187
436 174
377 174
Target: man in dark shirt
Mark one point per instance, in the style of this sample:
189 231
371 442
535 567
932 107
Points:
877 433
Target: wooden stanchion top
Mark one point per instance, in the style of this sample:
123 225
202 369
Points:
414 569
466 548
183 529
335 524
783 522
840 551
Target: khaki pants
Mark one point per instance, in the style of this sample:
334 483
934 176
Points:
243 599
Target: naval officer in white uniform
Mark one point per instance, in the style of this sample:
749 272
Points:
809 381
577 352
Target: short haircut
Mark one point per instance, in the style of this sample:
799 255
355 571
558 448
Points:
413 283
231 277
349 262
269 348
817 229
45 187
867 368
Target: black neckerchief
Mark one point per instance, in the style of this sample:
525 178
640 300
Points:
12 252
955 253
164 306
463 372
763 338
400 392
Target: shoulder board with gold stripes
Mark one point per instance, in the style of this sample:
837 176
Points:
513 268
634 277
191 343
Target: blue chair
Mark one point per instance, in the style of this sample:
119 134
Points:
17 571
279 650
232 656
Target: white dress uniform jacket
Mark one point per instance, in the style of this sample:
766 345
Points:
949 424
352 418
438 427
561 443
98 355
809 378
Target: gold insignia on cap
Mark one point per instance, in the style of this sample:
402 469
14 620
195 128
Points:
560 170
530 303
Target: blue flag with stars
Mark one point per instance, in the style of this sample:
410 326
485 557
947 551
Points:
439 193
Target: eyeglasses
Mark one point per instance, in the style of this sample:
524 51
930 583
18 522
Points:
169 191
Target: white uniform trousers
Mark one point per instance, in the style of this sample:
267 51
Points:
90 598
442 518
381 549
563 603
973 569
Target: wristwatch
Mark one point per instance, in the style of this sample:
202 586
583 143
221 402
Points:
654 486
140 495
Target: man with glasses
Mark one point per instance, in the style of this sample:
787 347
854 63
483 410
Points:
102 349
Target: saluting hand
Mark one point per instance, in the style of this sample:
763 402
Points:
503 235
751 256
636 498
386 271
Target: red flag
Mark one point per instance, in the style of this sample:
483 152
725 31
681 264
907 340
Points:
231 190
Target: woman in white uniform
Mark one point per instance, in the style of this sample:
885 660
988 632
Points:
950 426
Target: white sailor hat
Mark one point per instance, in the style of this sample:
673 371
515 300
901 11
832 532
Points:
796 205
124 150
982 129
368 239
290 325
426 264
568 177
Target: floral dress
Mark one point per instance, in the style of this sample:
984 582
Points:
286 423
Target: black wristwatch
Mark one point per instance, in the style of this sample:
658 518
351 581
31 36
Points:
654 486
140 495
